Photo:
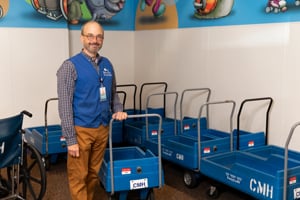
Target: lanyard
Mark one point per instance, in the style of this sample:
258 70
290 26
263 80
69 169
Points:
97 66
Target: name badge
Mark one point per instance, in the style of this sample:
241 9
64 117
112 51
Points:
102 94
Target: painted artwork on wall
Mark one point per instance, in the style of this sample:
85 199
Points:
69 13
130 15
4 5
156 14
79 11
212 9
75 11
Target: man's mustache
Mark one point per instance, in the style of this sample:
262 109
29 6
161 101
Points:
95 43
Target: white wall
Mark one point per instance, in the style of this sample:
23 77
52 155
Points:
236 62
118 47
29 60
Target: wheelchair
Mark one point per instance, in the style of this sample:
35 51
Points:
22 170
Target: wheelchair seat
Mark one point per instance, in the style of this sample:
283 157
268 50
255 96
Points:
10 140
25 176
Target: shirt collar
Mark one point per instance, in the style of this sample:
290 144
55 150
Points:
92 59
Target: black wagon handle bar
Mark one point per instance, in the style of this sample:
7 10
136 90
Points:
153 83
267 117
134 93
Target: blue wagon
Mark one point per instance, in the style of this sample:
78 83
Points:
187 124
118 126
266 172
187 151
242 139
130 168
47 139
153 87
137 132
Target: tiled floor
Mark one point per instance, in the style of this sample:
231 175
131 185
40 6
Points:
173 189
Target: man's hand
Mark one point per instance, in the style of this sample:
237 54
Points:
73 150
119 115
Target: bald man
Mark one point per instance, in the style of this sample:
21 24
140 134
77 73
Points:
86 87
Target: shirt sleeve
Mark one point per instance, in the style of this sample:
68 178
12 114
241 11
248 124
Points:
66 76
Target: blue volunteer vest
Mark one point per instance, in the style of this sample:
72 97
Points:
89 110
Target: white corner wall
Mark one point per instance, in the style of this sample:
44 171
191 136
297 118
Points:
236 62
29 61
118 48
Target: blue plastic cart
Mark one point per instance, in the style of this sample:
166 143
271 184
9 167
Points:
265 172
125 89
118 126
47 139
137 132
153 87
130 168
187 124
186 151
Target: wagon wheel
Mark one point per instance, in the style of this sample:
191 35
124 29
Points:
47 162
150 195
4 187
213 192
115 196
32 174
190 179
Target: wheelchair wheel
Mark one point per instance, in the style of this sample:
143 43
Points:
4 188
32 174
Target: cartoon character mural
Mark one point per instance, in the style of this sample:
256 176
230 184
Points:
211 9
72 11
4 5
104 9
50 8
276 6
76 10
158 8
156 14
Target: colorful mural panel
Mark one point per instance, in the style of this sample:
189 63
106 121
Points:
145 14
4 5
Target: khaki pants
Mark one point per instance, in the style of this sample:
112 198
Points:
83 171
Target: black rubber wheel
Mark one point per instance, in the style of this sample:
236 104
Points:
4 188
190 179
47 161
150 195
115 196
32 174
213 192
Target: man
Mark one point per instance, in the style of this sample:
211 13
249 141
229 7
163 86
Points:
87 97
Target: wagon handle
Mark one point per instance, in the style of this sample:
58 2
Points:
134 94
46 122
159 147
175 103
153 83
199 129
181 102
267 118
286 159
125 96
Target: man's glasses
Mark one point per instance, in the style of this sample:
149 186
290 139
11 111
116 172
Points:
91 37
